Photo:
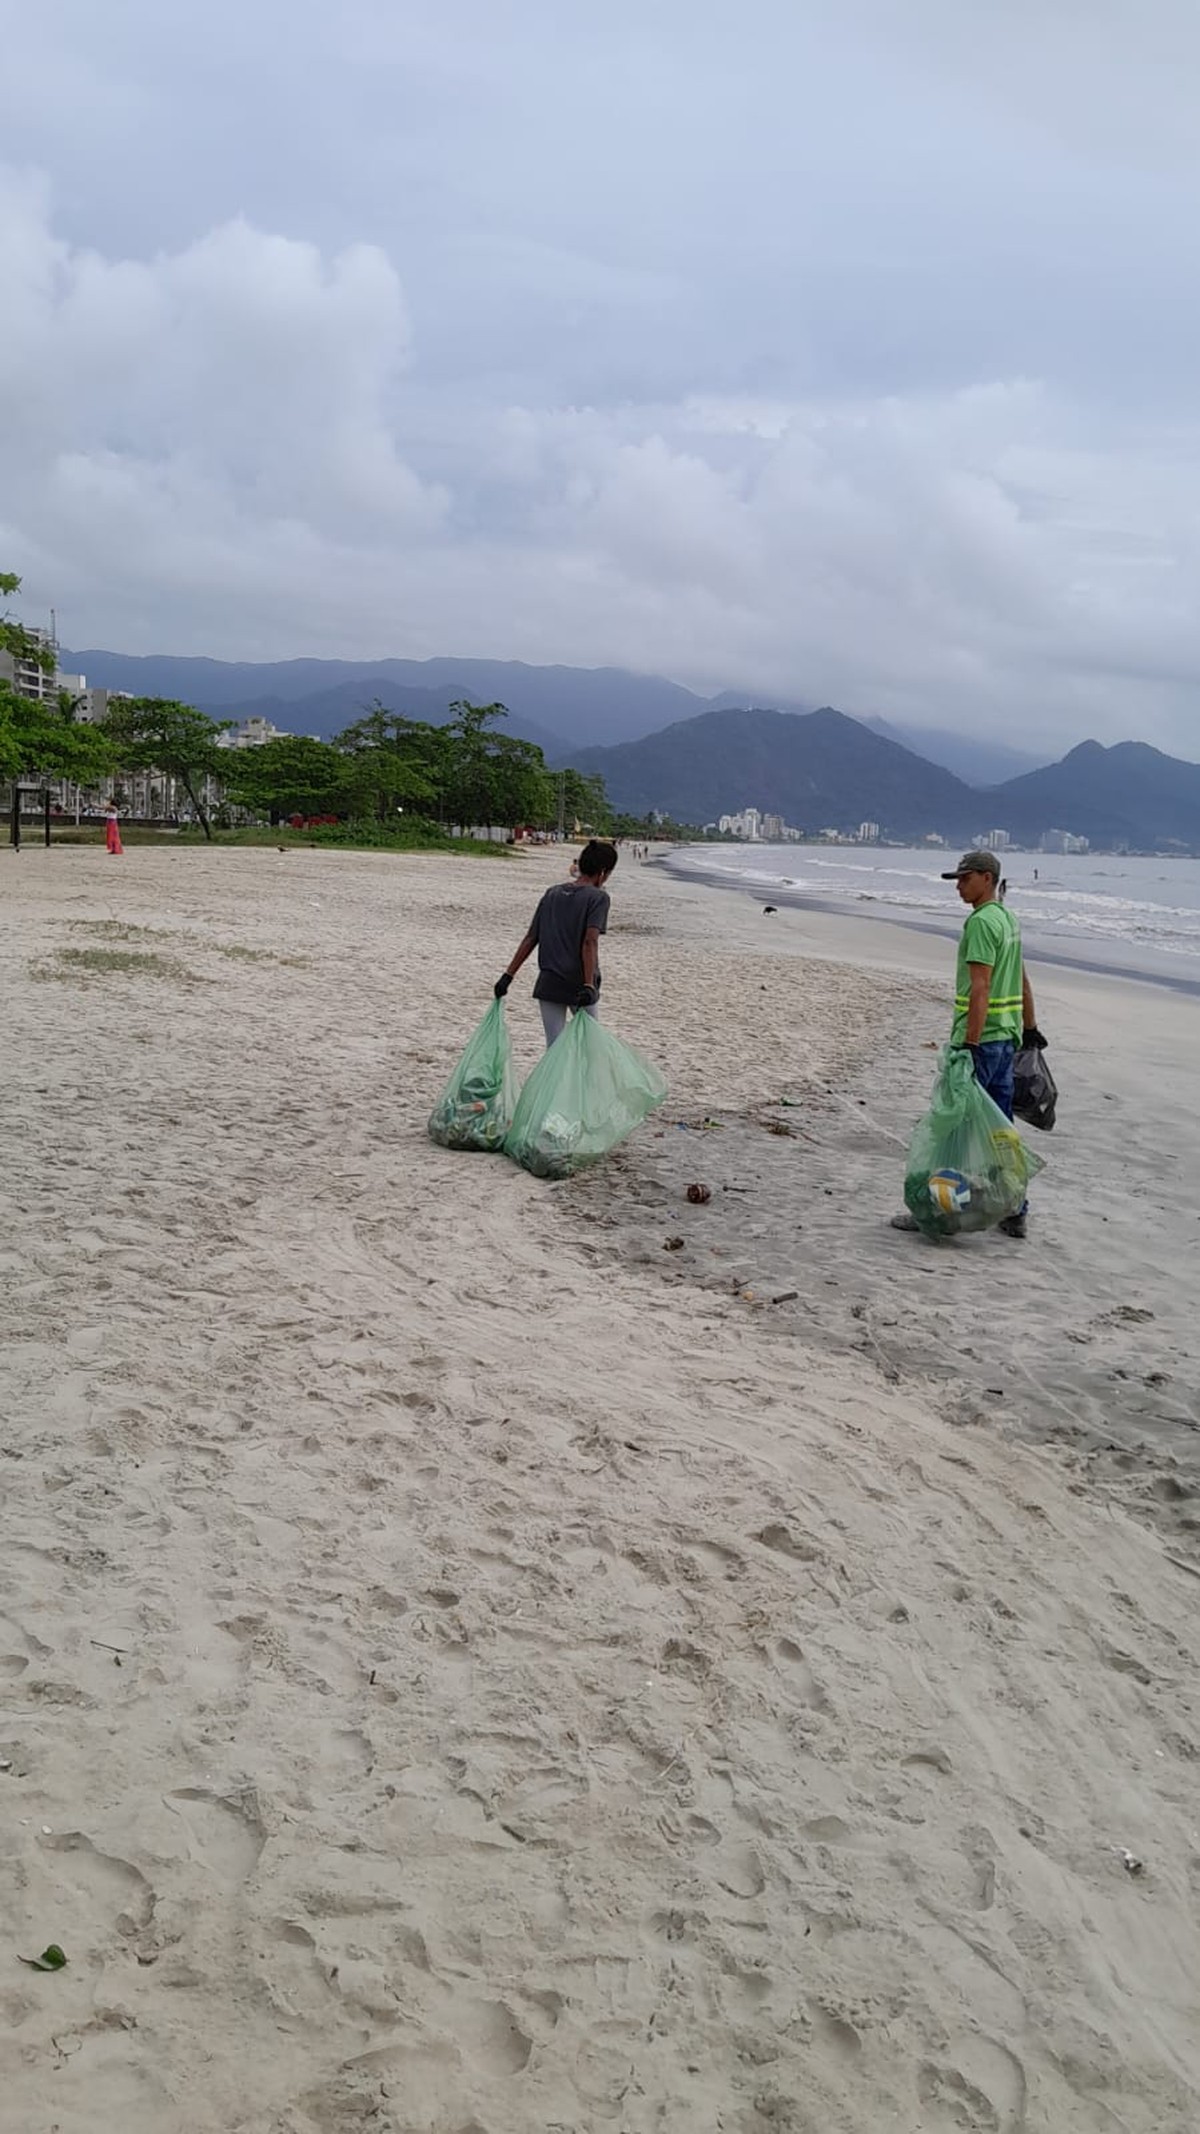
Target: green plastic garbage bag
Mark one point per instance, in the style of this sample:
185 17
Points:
475 1108
967 1165
586 1093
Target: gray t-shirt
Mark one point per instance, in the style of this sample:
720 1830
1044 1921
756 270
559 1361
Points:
558 927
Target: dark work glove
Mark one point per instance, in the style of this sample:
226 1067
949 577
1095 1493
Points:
502 984
588 996
1032 1039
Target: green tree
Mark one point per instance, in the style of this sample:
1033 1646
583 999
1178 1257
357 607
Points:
392 763
42 738
18 642
468 744
10 741
493 777
651 827
584 802
54 742
289 776
520 788
160 734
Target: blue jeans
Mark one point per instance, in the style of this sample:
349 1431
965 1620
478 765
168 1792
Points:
994 1072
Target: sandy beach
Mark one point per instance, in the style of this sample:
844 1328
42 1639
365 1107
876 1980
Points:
466 1668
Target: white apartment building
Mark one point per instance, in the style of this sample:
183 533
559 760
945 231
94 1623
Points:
142 793
26 676
746 825
252 733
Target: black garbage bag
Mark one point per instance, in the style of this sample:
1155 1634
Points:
1035 1094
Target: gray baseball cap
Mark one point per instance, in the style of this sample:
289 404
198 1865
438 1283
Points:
975 863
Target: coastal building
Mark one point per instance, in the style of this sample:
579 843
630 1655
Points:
995 840
95 704
26 676
1063 841
148 794
745 825
751 826
254 732
868 833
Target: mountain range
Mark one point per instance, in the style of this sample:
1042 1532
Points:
697 758
568 705
818 769
561 708
822 770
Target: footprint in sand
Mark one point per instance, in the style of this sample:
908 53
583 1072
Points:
357 2095
828 1830
784 1541
225 1836
682 1658
117 1888
979 1848
802 1678
725 1561
33 1646
981 2088
739 1870
744 1992
836 2029
491 2036
931 1759
353 1749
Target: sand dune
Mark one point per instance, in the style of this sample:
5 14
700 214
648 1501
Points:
467 1670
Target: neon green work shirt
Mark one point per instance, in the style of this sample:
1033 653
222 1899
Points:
992 936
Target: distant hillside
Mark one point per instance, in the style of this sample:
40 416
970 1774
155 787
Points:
1128 794
658 745
978 761
328 711
819 770
585 705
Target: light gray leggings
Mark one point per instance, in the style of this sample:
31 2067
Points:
554 1018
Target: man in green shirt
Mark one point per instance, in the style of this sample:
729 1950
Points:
993 1002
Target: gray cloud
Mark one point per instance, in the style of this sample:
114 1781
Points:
833 350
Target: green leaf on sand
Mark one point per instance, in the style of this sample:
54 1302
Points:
51 1959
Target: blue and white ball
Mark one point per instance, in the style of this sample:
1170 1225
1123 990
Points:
950 1192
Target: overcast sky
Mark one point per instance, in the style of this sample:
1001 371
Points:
838 349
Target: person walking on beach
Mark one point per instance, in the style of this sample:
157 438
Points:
112 831
565 930
993 1003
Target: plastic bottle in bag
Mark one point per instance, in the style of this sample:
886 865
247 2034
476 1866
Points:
967 1166
475 1109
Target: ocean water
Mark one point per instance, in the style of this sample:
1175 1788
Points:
1140 917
